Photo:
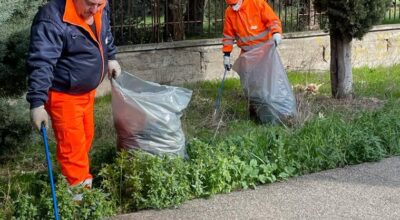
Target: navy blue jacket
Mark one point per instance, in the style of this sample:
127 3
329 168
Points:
64 55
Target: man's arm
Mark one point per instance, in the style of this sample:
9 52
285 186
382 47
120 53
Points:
45 49
229 35
114 69
111 48
269 18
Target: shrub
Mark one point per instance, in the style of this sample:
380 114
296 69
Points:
38 203
139 180
15 127
15 17
13 78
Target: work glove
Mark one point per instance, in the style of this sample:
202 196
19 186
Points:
227 62
38 116
114 69
277 38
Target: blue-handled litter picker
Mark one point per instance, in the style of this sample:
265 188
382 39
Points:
53 191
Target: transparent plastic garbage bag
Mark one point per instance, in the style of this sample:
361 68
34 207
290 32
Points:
266 85
147 115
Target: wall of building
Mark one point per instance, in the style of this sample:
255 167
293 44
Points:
195 60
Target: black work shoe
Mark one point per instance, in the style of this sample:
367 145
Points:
253 113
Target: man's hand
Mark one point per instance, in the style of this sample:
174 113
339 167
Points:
227 62
38 116
114 69
277 38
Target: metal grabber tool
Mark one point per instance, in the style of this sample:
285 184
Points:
217 104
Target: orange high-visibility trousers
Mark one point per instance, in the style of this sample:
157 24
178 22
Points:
73 125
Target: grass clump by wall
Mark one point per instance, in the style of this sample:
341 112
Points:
233 155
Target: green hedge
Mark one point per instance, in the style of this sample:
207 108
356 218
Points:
261 155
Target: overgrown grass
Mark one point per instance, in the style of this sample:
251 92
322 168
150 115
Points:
238 154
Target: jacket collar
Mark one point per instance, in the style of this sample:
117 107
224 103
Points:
71 16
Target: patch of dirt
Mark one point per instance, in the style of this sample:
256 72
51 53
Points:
308 96
357 104
316 105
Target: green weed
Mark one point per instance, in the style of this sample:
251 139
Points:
38 203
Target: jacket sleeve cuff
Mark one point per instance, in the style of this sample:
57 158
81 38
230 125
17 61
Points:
36 103
112 57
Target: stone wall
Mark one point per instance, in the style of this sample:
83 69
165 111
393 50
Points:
195 60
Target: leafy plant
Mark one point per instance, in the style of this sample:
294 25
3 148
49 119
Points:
15 127
15 17
139 180
39 205
25 208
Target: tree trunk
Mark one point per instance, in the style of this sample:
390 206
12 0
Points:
174 29
341 73
194 15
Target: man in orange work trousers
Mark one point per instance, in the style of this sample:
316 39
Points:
71 50
251 23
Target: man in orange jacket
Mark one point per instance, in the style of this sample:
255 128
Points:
250 23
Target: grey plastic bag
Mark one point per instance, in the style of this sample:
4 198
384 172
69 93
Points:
147 115
265 83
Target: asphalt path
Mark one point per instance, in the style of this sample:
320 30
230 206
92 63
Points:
365 191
